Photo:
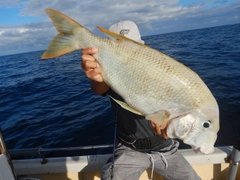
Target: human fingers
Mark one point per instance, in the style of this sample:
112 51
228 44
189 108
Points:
88 62
90 65
92 70
164 133
87 57
94 74
156 129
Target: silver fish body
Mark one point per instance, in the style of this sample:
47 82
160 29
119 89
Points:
151 83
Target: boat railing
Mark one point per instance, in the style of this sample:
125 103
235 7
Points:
17 153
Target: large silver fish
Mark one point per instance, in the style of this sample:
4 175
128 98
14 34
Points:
151 83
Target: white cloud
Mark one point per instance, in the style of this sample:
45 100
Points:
10 3
152 17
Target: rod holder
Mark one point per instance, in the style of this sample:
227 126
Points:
44 160
234 162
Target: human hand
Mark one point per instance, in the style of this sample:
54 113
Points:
158 131
90 65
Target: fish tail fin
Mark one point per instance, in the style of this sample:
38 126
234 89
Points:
66 41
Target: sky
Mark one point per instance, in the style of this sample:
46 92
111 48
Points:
25 26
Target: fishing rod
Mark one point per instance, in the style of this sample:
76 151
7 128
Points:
4 150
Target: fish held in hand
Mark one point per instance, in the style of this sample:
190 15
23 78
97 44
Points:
151 83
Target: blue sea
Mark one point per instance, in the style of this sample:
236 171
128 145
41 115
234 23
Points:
49 103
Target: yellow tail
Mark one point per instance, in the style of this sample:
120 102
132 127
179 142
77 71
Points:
65 42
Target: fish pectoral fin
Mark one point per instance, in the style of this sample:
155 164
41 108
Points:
160 118
126 106
66 41
115 36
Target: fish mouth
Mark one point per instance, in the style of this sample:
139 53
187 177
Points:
204 150
197 150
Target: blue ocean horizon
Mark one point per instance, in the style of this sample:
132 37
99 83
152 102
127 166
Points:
49 103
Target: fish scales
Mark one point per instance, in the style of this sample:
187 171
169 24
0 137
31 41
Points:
151 83
161 82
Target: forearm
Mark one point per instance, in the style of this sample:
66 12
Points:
99 87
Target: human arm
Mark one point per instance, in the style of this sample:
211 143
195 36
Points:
93 71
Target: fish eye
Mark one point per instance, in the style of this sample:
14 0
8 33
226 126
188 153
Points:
206 124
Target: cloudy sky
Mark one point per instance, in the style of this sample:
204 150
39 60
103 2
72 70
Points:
25 27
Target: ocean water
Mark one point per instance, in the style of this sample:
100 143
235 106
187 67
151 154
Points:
49 103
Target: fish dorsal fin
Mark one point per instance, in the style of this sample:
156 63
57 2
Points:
126 106
116 37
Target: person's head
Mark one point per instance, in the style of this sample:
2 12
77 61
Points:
128 29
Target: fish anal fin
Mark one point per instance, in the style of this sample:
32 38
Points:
126 106
160 118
